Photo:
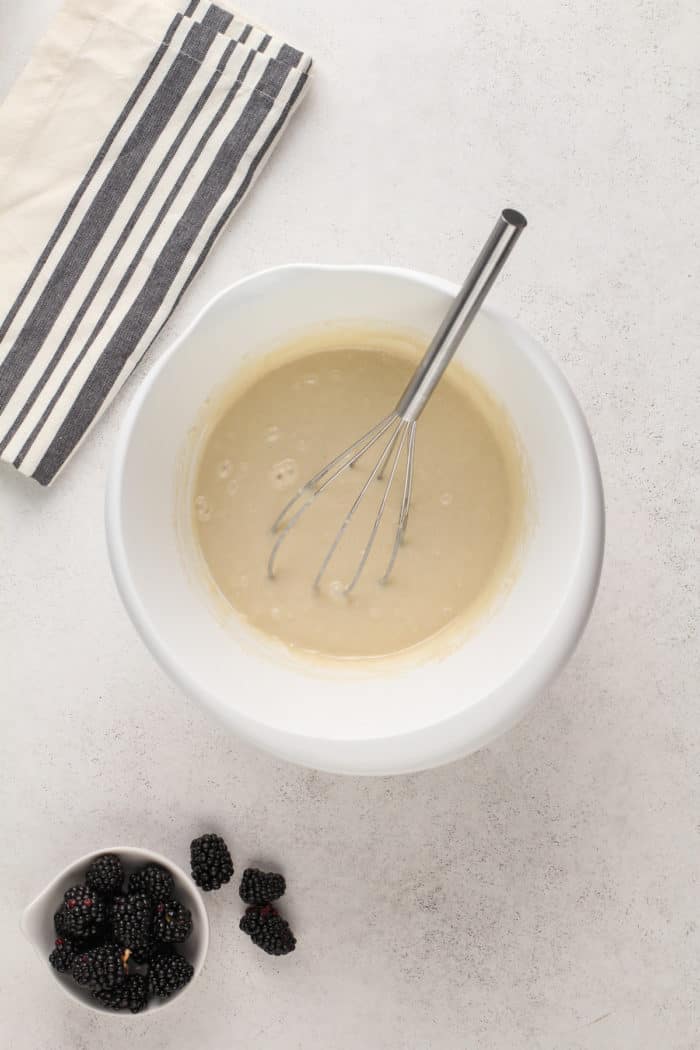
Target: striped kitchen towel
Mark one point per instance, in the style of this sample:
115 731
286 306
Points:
125 147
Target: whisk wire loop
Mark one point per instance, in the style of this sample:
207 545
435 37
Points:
320 481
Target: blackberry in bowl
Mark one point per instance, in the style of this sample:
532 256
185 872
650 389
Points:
109 919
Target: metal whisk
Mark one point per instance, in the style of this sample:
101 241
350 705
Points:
399 427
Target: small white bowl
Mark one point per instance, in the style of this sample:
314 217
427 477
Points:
394 720
38 928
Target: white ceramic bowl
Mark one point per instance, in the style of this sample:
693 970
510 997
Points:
338 721
38 928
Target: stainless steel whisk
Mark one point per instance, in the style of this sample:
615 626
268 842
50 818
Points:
400 425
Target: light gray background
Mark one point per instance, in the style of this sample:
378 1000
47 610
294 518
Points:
544 893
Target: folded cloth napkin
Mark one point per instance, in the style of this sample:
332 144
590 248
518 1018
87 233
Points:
125 147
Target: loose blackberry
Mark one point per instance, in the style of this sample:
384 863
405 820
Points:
172 922
211 862
260 887
61 957
104 967
167 974
268 930
131 995
154 881
82 913
106 875
131 920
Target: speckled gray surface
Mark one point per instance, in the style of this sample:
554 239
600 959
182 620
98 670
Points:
543 894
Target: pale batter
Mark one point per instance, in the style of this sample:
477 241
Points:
465 522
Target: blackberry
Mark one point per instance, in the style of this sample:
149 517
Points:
104 967
61 957
82 913
131 995
145 953
131 920
167 974
268 930
260 887
154 881
137 986
172 922
101 934
106 875
211 862
116 998
59 924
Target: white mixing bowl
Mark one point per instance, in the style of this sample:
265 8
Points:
391 722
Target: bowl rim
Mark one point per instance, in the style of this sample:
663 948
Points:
509 701
140 855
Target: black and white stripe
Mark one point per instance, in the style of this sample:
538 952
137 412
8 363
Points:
178 159
89 175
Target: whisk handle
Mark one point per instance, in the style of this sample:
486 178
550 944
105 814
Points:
462 312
